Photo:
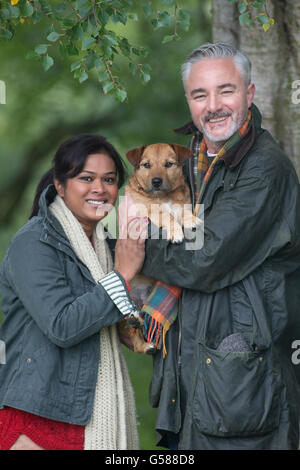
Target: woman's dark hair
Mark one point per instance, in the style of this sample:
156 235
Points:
69 161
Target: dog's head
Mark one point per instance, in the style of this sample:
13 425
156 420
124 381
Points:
158 167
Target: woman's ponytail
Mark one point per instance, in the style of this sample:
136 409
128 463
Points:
45 181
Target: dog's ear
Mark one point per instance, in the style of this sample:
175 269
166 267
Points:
182 153
134 155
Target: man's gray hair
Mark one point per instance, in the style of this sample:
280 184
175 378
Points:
214 51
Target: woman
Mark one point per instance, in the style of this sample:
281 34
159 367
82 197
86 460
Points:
65 384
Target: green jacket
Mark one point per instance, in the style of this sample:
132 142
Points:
52 314
245 279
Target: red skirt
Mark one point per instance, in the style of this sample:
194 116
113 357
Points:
47 433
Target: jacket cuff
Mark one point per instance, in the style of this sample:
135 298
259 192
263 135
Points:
116 288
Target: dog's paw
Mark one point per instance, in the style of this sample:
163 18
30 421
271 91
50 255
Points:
151 349
177 236
134 322
191 221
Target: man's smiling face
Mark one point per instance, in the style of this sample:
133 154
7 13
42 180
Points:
218 98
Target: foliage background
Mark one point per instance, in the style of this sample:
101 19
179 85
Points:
44 108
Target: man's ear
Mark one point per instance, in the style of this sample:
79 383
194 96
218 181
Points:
59 188
182 152
134 155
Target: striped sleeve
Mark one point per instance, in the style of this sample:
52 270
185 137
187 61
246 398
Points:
115 288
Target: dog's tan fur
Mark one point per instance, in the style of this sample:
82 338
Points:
162 161
164 205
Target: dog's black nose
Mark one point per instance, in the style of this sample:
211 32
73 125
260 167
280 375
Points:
156 182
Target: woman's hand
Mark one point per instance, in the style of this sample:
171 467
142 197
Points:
130 251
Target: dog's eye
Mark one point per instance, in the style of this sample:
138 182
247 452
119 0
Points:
146 165
169 164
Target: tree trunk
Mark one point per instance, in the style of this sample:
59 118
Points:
275 57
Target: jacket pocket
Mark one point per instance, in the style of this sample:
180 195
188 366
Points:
51 372
236 393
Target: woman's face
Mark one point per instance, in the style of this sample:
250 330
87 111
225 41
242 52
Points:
86 193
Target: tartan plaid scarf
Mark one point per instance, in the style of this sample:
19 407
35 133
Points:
161 308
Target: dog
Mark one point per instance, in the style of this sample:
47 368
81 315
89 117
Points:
158 189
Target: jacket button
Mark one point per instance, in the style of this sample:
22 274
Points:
208 360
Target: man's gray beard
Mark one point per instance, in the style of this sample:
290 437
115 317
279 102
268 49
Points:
222 138
219 140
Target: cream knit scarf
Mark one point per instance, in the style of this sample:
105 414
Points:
113 423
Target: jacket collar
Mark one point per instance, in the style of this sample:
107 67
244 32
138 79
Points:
234 157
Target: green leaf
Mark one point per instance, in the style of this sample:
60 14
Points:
169 3
5 14
72 50
76 65
167 39
81 3
103 76
26 9
41 49
87 43
183 19
120 95
133 68
116 4
83 77
164 20
242 7
53 37
32 55
107 87
118 17
61 8
144 51
259 4
98 63
47 62
133 16
245 19
110 40
14 11
136 51
77 33
5 34
146 68
36 17
263 19
45 7
148 9
103 17
145 77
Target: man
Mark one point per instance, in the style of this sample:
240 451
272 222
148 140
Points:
228 380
